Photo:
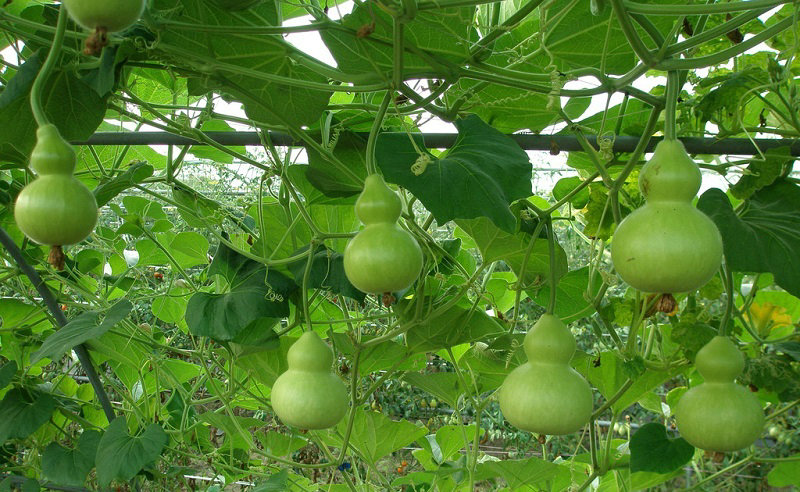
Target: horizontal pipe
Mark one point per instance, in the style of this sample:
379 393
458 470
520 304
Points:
694 145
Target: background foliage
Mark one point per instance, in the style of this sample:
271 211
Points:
210 260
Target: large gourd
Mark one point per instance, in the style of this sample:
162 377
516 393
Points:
55 208
719 415
308 395
382 257
667 245
545 395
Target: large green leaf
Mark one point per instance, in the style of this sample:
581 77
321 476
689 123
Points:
443 385
376 435
255 296
461 323
785 474
23 411
577 38
608 373
379 357
444 32
572 302
135 174
86 326
242 63
65 466
527 474
469 181
7 372
653 451
326 272
121 456
764 235
69 102
496 244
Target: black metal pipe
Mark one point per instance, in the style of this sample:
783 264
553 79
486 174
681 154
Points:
50 301
695 145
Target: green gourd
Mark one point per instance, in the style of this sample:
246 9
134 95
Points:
719 415
667 245
108 15
545 395
382 257
55 208
308 395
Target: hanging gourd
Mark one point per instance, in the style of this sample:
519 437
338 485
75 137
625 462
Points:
545 395
382 257
718 414
667 245
309 395
55 208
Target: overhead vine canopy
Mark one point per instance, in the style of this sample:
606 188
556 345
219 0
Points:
209 261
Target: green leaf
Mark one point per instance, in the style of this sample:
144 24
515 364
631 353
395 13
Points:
243 64
443 32
376 435
255 295
86 326
765 235
469 181
609 373
277 482
7 373
326 272
24 411
195 209
564 186
571 301
459 324
691 336
350 150
279 444
653 451
212 153
65 466
761 173
495 244
70 104
786 473
380 357
442 385
725 101
121 456
519 474
135 174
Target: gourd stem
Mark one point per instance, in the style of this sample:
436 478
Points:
551 246
726 316
673 88
38 84
51 303
372 140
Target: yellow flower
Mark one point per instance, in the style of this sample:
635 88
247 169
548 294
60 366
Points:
767 316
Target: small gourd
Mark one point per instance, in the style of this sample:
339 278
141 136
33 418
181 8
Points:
382 257
309 395
545 395
667 245
719 415
55 208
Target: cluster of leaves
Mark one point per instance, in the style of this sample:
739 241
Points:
188 302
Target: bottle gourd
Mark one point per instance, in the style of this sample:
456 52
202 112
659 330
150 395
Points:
382 257
719 415
55 208
667 245
545 395
309 395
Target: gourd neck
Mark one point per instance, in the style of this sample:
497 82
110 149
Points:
378 203
670 175
52 155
